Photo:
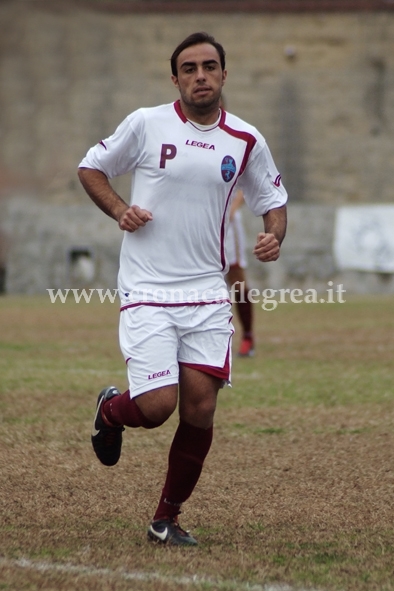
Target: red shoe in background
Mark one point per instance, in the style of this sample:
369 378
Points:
246 348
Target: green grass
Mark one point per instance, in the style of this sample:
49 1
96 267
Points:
298 487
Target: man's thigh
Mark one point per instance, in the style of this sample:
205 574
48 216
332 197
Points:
149 343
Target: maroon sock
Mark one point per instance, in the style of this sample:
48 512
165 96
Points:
123 410
187 454
245 313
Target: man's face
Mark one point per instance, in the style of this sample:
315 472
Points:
200 76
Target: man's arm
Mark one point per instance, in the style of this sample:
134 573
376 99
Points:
268 243
97 186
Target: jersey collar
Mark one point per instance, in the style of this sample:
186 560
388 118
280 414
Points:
177 107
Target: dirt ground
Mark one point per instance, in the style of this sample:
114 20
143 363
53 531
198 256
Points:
295 490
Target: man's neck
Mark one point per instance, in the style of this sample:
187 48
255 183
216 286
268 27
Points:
200 116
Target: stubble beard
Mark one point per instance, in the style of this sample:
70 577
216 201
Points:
203 106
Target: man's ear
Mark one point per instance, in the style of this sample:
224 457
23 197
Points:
175 80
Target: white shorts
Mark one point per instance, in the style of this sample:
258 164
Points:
155 339
235 242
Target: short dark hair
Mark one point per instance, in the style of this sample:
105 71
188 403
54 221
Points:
197 39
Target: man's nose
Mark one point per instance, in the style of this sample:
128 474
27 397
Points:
200 73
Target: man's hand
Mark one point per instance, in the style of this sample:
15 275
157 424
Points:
133 218
267 248
268 243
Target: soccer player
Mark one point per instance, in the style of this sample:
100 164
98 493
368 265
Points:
236 276
187 160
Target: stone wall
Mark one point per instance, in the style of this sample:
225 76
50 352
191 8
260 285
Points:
319 86
60 246
52 246
307 256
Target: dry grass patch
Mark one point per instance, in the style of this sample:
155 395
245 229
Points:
298 487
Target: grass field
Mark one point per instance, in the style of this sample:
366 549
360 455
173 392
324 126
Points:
298 488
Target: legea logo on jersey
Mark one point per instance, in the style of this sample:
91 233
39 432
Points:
228 168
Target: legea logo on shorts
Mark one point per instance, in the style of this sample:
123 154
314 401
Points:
159 374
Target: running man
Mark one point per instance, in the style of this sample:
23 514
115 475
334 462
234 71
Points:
187 160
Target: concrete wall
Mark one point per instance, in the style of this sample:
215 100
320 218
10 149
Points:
58 246
77 246
307 256
319 86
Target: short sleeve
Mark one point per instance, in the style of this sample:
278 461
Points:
118 154
261 181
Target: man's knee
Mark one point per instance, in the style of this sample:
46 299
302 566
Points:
159 404
198 411
198 394
206 407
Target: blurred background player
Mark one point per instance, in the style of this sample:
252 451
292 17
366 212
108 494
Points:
236 257
236 277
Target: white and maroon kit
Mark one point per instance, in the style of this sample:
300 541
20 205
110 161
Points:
185 175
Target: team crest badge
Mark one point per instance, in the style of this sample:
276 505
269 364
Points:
228 168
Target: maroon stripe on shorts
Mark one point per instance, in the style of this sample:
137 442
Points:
218 372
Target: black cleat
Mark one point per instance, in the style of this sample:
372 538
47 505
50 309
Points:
106 441
168 531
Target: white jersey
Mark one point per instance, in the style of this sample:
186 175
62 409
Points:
186 176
